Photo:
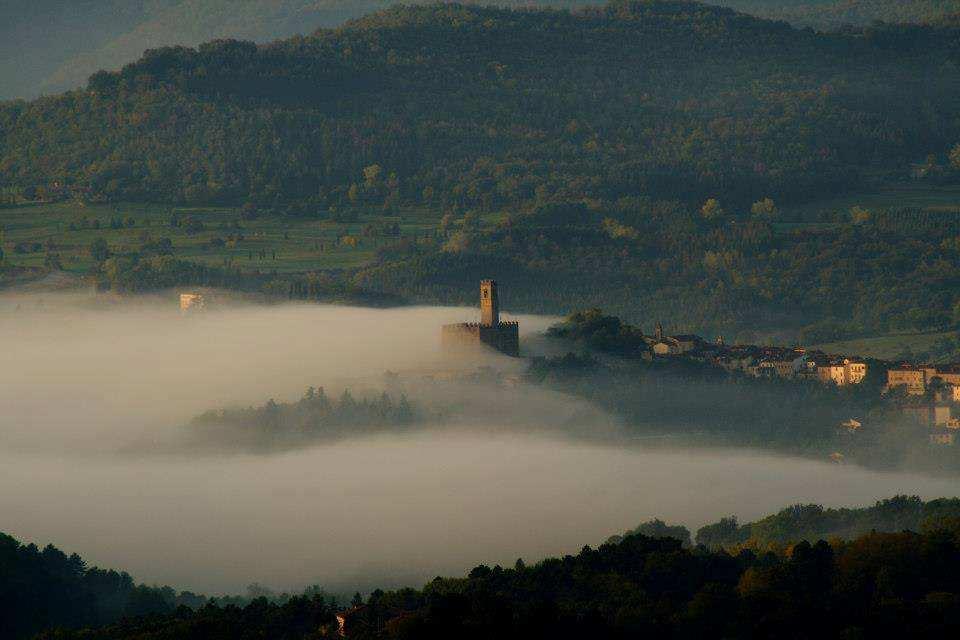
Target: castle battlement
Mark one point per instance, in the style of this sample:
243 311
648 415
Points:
503 323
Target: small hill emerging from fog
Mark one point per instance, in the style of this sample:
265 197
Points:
314 418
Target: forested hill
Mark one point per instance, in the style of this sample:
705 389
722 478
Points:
51 45
833 14
492 108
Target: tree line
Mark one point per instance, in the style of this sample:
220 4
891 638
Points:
876 585
45 588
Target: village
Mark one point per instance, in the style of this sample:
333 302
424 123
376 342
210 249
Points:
926 394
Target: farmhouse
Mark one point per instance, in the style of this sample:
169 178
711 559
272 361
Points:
191 302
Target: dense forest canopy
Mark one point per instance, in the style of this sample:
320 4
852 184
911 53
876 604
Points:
49 45
42 588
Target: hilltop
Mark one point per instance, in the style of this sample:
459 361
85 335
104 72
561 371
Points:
48 47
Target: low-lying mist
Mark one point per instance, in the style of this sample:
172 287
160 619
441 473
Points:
96 394
97 374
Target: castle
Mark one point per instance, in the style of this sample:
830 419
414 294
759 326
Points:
489 332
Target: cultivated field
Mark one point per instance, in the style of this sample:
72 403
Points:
214 235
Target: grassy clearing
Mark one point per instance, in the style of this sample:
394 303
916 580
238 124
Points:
268 243
945 199
887 347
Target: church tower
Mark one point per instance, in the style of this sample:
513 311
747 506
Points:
489 304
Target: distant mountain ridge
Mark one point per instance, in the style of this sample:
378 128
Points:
51 46
668 98
833 14
78 39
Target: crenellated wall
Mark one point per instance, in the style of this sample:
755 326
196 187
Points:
466 336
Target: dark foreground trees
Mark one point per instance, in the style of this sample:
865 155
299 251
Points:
879 585
42 588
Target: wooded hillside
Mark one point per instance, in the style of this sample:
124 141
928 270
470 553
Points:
491 108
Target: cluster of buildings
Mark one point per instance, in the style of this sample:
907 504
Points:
927 394
762 362
920 380
930 395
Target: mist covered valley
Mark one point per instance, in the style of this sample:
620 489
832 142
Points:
97 456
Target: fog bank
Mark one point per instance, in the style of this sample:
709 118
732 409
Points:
394 509
92 388
94 374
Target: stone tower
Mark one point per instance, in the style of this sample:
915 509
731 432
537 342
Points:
489 304
490 332
658 332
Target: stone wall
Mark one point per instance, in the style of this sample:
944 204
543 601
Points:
470 336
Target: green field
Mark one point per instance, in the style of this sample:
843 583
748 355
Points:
888 347
280 244
269 243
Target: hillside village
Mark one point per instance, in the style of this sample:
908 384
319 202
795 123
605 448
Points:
925 393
